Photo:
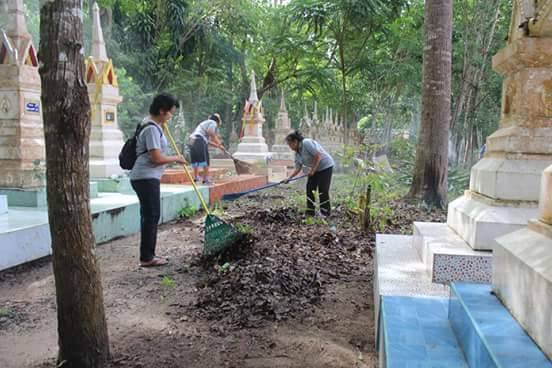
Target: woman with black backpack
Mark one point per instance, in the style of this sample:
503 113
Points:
145 176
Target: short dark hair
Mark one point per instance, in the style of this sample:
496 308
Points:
295 136
163 101
215 117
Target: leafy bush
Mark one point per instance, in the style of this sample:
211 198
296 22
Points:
187 212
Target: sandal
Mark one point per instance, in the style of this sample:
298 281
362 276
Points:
155 262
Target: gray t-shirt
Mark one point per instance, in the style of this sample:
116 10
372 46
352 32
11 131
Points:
308 150
203 128
151 137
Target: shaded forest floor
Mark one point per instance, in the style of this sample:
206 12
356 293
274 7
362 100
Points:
298 293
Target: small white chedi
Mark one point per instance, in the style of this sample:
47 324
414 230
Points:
280 150
106 138
252 145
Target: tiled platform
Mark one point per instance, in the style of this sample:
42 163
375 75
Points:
487 333
416 333
25 235
447 257
471 329
174 176
420 325
400 271
234 184
223 183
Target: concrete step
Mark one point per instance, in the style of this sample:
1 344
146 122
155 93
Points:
488 335
118 185
94 189
25 197
416 333
25 233
522 279
3 204
480 223
447 257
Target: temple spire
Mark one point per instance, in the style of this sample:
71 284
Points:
99 52
315 113
283 107
253 97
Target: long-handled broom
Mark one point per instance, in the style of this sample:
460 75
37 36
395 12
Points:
219 235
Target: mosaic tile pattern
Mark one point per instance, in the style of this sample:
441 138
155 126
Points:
418 334
487 333
448 257
450 268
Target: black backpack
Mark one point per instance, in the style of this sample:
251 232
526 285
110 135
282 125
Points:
128 156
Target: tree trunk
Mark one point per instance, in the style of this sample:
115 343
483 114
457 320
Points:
430 179
344 100
82 329
342 68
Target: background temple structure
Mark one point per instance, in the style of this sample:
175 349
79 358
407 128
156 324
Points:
252 146
280 150
106 138
22 152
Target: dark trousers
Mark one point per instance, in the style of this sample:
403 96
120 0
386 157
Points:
149 194
320 182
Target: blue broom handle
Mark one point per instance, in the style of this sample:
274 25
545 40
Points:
274 184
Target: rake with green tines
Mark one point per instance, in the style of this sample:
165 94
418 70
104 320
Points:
219 235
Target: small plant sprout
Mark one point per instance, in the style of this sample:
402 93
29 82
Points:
224 268
310 221
244 228
4 312
168 282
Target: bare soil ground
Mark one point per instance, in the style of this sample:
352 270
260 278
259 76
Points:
298 294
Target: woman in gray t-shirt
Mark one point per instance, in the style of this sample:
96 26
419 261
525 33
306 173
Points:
309 153
145 177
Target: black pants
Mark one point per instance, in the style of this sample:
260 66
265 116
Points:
320 182
199 152
149 194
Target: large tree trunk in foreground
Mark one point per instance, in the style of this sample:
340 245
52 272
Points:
83 338
430 179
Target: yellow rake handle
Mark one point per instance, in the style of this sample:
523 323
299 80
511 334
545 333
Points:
173 143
